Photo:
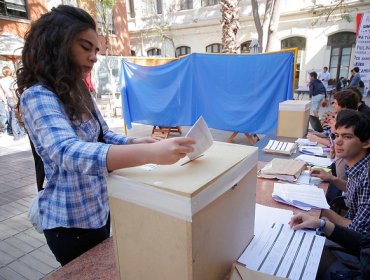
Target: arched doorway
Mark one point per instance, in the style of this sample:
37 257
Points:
300 43
341 45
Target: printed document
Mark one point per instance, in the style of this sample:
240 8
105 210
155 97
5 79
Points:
283 252
203 137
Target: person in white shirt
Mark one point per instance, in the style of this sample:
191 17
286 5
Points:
7 87
324 76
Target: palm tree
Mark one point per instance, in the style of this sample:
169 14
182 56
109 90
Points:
230 25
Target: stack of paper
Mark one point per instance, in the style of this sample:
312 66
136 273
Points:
278 147
316 161
282 169
304 197
312 150
283 252
305 142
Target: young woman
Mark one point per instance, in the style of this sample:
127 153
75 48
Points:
70 135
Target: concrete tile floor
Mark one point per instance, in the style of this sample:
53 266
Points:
23 252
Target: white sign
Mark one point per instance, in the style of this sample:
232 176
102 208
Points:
362 51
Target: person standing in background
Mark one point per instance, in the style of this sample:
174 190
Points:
7 87
3 113
324 77
317 93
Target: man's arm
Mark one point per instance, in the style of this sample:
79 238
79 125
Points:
335 218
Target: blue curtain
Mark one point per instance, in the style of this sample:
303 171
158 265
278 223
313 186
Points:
232 92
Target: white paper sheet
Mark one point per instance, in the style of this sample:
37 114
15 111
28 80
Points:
316 161
203 137
283 252
301 196
266 216
312 150
305 142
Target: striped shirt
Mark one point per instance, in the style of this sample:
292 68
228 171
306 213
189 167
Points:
75 194
358 196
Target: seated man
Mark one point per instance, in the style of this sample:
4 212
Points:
345 99
352 143
361 107
353 242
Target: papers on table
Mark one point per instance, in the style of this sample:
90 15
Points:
203 137
266 216
305 142
306 179
317 161
278 147
283 252
311 150
282 169
303 197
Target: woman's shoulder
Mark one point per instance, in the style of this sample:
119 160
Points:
38 91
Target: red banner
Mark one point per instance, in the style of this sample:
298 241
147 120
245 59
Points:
358 22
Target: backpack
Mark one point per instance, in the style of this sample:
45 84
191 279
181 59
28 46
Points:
361 84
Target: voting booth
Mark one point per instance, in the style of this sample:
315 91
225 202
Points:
293 118
189 220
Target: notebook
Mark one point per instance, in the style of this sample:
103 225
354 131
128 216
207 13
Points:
315 123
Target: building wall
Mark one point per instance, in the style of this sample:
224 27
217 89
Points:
20 26
200 26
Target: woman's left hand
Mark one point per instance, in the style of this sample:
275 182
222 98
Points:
148 139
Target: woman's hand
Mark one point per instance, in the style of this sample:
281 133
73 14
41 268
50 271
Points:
148 139
169 151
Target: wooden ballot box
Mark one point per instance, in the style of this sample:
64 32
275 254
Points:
293 118
189 220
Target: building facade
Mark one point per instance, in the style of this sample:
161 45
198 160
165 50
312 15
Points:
171 28
17 15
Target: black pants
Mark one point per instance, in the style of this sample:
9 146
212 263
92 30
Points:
69 243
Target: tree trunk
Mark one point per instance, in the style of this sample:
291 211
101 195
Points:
257 22
275 17
230 25
267 30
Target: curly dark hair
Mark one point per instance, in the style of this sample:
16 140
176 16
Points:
46 58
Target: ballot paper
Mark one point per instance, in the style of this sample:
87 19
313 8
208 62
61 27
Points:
278 147
202 136
283 252
304 197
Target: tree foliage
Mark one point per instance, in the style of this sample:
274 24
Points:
323 13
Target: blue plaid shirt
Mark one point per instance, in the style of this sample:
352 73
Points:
75 194
358 196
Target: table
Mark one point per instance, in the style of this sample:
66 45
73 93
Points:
300 91
99 262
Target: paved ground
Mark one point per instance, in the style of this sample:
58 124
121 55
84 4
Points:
23 252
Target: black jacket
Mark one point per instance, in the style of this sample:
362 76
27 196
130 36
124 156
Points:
317 87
